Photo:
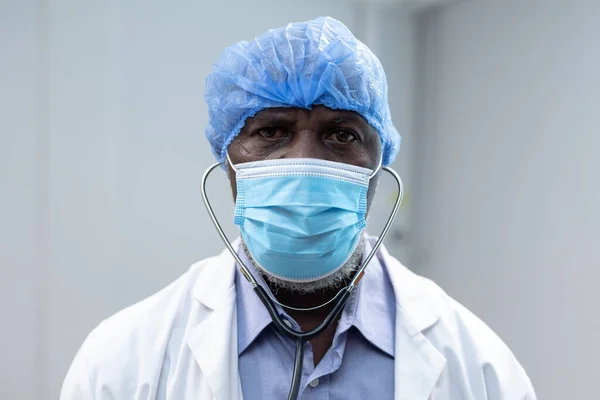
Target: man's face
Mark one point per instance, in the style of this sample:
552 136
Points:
333 135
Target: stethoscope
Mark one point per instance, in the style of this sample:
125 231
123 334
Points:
269 301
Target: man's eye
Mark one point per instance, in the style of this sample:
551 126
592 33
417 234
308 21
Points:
270 133
342 136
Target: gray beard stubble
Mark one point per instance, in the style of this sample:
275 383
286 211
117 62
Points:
329 282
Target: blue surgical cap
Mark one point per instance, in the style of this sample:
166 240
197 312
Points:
317 62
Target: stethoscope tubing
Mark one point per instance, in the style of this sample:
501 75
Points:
342 297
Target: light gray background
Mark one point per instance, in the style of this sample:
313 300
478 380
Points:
102 125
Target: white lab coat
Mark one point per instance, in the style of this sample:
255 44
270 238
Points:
181 344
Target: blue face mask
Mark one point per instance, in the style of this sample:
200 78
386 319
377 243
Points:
301 218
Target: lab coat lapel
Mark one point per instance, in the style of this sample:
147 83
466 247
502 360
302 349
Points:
213 341
418 364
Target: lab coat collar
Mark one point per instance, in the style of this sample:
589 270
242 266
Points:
216 280
418 364
408 289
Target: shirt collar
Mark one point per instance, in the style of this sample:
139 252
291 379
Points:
371 309
375 316
252 316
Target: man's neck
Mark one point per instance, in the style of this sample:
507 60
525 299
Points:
309 320
306 300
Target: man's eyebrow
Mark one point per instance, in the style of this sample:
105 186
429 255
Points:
345 116
274 117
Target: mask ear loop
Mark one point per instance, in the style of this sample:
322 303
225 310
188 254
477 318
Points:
230 163
379 166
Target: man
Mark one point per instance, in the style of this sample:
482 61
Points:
300 118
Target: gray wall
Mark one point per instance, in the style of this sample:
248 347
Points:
102 119
102 126
19 191
509 165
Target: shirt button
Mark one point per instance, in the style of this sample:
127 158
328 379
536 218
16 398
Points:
314 383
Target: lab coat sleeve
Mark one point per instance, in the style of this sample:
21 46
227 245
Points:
503 376
77 384
509 381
